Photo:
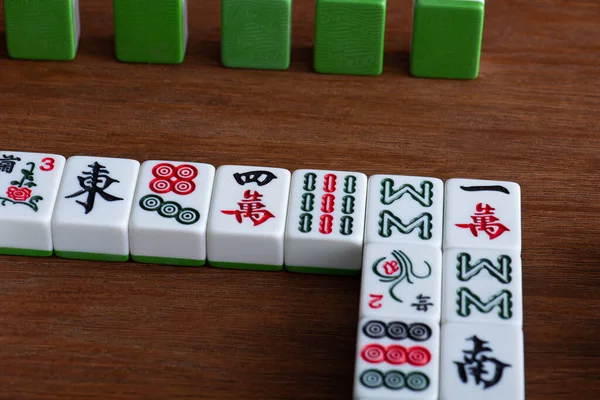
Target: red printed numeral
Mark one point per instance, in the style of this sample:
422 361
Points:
375 301
48 164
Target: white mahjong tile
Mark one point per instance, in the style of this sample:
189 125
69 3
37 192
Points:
326 220
481 362
246 223
170 213
29 184
401 280
482 286
397 358
91 217
405 209
482 214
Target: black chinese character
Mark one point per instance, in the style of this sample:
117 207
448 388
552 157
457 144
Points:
7 163
476 364
261 178
423 303
493 188
93 183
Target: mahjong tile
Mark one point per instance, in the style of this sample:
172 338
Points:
401 280
246 223
91 218
482 214
481 362
397 358
405 209
170 213
29 184
326 221
482 286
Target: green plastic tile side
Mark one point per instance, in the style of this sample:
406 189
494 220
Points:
91 256
349 36
11 251
253 267
149 32
446 39
183 262
256 33
40 29
323 271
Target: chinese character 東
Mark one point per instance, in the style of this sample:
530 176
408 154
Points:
94 183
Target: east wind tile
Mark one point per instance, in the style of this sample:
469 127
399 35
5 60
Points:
91 217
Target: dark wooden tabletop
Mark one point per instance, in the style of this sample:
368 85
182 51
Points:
98 330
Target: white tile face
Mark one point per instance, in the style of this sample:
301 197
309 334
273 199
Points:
397 359
326 217
482 215
482 362
405 209
170 211
482 286
94 205
401 280
246 223
29 183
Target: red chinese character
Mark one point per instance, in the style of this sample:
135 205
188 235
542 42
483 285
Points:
251 208
485 221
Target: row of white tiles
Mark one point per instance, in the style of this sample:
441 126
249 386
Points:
446 325
87 206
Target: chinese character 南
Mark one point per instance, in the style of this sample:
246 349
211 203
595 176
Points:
479 365
252 208
422 303
485 221
94 183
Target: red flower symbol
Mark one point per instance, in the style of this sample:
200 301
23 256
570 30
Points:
18 194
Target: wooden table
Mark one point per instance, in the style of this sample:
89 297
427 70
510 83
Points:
93 330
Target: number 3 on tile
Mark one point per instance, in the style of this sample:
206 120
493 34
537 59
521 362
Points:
48 164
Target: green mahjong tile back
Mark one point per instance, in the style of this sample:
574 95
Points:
349 36
150 32
446 38
42 29
256 33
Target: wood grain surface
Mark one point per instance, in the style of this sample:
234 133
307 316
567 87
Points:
94 330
